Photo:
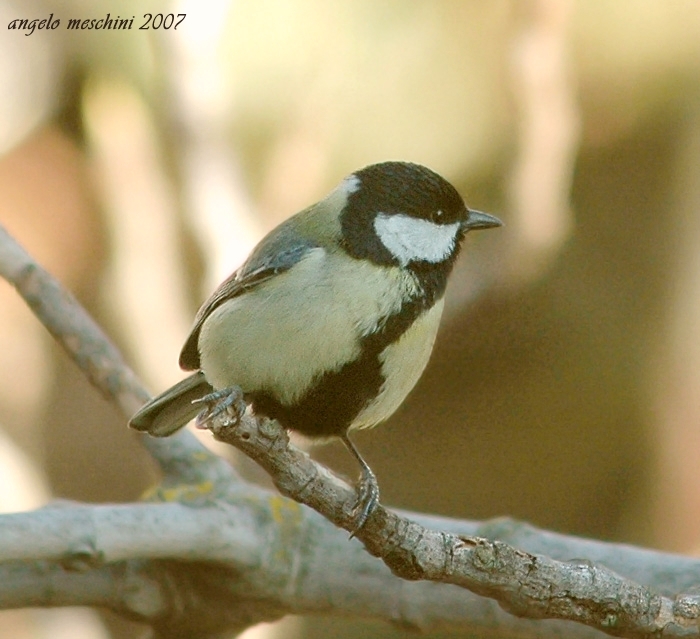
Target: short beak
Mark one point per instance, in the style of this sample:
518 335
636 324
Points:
478 220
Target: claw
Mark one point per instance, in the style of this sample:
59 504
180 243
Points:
367 499
367 490
225 400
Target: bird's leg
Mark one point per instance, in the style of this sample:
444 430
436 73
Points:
367 489
225 400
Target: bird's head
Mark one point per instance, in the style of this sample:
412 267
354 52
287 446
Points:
399 213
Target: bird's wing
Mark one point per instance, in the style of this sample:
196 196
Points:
264 263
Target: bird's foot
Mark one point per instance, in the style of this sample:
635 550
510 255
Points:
367 499
226 400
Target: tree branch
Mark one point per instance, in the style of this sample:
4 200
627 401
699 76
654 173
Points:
525 584
240 556
181 456
221 554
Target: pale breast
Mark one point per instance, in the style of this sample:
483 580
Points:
403 362
281 336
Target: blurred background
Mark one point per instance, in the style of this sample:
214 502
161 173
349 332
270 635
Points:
140 166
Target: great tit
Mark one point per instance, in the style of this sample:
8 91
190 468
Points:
331 320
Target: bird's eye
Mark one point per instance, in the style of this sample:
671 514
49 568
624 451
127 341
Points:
437 215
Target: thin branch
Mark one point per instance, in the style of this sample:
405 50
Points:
85 343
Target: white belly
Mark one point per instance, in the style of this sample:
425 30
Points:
256 342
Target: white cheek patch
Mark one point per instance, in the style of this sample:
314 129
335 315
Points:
410 239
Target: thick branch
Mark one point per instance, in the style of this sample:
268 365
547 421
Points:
239 557
525 584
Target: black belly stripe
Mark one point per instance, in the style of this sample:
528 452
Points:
332 404
338 397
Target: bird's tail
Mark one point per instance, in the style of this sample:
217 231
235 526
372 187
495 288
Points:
173 408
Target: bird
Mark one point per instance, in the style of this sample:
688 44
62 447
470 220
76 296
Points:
331 320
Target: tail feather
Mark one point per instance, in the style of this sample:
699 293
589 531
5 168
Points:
173 408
